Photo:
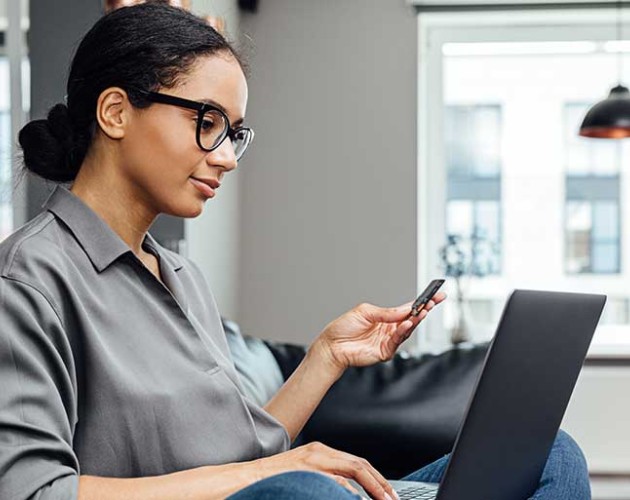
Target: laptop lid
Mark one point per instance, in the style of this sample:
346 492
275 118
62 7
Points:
521 395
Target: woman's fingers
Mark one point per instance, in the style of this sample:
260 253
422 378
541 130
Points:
406 328
410 324
387 488
344 482
342 467
377 314
439 297
371 485
367 476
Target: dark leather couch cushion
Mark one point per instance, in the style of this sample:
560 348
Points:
399 415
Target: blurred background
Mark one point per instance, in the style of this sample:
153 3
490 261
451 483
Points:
396 141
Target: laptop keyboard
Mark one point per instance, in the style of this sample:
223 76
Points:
417 492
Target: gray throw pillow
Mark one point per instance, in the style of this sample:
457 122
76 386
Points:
258 370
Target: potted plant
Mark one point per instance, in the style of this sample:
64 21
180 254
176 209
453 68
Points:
462 257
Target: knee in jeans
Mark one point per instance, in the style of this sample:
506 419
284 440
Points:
567 444
566 447
302 476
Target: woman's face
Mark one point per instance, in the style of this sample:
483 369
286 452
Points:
159 151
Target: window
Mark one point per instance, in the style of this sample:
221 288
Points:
505 161
6 223
592 237
592 213
13 27
472 146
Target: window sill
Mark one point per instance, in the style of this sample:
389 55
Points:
614 354
609 352
611 342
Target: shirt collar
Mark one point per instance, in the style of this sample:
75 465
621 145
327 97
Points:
99 241
172 259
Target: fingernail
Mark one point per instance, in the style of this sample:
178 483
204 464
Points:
387 497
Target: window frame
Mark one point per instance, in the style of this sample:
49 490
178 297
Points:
15 27
436 29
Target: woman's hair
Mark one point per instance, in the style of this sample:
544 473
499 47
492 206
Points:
148 47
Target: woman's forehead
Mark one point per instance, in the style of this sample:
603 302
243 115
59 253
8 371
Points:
218 78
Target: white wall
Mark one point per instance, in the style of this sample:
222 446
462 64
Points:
597 417
328 191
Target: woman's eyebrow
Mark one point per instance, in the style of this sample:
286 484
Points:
214 103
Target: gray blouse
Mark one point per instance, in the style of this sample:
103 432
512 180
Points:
105 370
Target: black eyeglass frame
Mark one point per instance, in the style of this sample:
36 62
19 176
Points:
202 108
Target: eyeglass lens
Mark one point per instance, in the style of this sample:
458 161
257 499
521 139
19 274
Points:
213 129
240 141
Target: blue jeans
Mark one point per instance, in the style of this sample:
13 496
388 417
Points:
565 477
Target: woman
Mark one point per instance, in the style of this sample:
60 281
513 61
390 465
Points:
117 380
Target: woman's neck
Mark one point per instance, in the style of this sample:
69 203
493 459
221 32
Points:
114 200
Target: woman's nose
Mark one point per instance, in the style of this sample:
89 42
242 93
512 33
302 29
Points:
223 156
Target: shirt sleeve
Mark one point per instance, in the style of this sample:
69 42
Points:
37 398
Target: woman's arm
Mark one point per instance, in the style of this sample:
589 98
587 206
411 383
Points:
297 399
363 336
220 481
203 483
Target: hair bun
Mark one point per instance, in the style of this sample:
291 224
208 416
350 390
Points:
47 146
61 125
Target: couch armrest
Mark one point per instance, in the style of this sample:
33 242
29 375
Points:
399 415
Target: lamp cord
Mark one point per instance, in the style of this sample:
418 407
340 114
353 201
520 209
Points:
620 65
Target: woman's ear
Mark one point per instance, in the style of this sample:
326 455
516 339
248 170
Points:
112 112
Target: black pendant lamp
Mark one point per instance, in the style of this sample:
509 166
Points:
610 118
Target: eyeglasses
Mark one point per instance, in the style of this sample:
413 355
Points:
213 125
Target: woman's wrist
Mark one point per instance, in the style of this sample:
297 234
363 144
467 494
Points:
298 398
321 353
227 479
263 468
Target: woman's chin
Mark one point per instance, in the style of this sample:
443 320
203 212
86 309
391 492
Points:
193 212
187 211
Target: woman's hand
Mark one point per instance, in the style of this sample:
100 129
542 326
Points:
369 334
338 465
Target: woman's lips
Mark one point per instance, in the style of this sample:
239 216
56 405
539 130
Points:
205 186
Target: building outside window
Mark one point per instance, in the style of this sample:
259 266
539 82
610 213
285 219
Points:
473 158
592 209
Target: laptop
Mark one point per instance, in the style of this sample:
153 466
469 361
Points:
519 400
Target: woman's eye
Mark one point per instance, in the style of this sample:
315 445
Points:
207 124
